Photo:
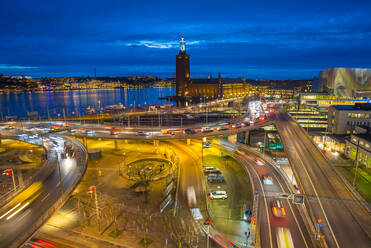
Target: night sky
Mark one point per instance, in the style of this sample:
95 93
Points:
253 39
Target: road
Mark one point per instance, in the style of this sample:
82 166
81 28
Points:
190 178
16 229
344 224
269 224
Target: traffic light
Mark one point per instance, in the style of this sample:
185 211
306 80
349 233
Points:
7 172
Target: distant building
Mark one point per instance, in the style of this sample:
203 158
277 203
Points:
324 100
344 82
187 87
343 119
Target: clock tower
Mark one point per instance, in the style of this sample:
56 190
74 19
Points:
182 71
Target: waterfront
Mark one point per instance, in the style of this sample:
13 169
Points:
74 102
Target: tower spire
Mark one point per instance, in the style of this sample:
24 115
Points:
182 48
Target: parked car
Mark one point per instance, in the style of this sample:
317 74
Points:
212 170
220 194
214 178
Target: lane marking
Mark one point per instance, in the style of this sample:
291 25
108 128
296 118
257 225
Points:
20 209
315 191
45 197
296 221
266 205
10 211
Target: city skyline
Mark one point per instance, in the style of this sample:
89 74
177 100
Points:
239 39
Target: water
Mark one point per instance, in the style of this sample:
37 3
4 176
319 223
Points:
74 102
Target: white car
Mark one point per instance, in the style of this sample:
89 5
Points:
206 129
191 196
221 194
222 128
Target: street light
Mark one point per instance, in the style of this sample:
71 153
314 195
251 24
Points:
93 190
10 172
202 156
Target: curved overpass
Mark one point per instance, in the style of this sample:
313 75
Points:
19 224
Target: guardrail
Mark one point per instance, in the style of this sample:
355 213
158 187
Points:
82 160
356 195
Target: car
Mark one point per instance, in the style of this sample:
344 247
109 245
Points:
191 196
222 128
112 132
90 132
168 131
259 161
189 131
278 209
212 170
206 129
267 179
141 133
214 178
220 194
236 125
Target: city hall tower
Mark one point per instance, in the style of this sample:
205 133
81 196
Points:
182 71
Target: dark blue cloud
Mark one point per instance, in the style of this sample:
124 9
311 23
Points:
265 39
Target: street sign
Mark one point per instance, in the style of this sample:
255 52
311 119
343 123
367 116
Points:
298 199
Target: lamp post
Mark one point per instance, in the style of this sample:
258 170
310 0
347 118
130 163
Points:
9 172
93 190
60 176
202 156
357 163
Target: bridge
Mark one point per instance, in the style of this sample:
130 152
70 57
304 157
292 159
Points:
344 225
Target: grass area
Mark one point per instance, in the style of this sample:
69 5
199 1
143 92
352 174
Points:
363 183
145 242
115 233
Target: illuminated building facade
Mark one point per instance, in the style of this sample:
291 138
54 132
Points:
187 87
343 119
324 100
345 82
182 71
